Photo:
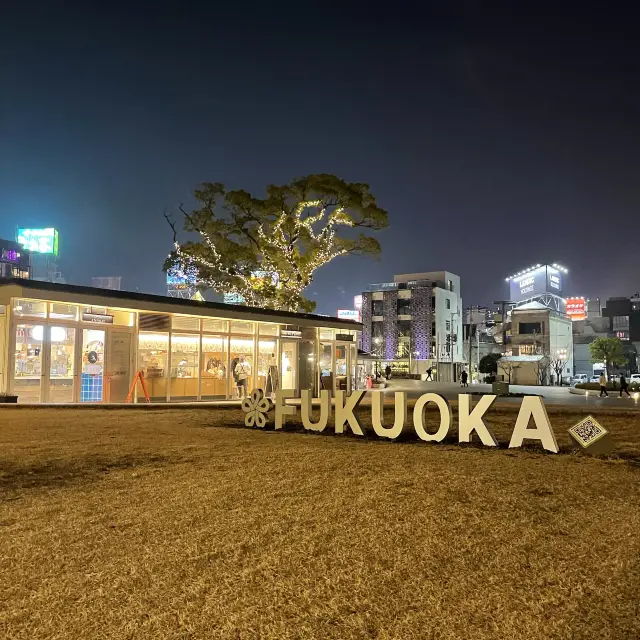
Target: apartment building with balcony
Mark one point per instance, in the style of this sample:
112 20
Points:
415 323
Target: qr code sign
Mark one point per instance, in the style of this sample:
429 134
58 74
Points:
587 431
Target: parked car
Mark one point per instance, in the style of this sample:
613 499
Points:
634 378
579 378
595 378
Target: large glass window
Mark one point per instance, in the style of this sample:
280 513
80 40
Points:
31 308
185 364
215 376
404 306
326 366
186 323
341 366
28 362
241 365
61 368
153 349
267 353
269 329
213 325
620 323
63 311
237 326
377 308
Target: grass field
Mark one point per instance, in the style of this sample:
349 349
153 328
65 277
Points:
151 524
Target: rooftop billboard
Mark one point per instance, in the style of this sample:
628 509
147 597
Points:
39 240
536 281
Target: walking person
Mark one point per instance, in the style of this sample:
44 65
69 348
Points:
387 372
429 374
463 377
624 386
603 385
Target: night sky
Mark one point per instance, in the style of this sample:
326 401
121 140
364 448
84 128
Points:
495 138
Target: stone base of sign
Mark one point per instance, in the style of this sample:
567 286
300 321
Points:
601 447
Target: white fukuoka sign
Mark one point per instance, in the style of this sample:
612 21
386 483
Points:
470 421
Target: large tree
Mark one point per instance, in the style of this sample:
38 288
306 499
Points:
607 350
268 249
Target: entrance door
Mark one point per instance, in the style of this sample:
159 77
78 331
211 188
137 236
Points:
119 365
27 372
62 351
93 354
289 351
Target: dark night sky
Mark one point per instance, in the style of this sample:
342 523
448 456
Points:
495 139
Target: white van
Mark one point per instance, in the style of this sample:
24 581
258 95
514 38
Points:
579 378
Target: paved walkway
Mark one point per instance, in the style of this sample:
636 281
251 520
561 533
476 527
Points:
551 395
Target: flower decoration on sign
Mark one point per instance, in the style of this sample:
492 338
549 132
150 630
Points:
256 406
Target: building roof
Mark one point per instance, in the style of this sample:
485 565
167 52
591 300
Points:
18 287
534 305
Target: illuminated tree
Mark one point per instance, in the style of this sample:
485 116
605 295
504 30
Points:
267 250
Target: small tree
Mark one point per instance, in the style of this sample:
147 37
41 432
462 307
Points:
508 367
607 350
557 365
489 363
541 367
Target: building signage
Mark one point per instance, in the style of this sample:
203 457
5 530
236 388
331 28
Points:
39 240
357 302
470 419
344 337
576 308
97 317
285 333
543 279
349 314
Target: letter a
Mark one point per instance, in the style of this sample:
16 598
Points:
377 408
469 422
282 409
344 411
533 407
325 410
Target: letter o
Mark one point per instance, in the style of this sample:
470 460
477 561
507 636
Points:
445 417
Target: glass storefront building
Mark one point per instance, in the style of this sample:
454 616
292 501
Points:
68 344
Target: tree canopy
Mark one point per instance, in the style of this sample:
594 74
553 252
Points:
607 350
489 363
268 249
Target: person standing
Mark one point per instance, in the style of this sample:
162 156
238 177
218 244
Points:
463 377
387 372
243 371
624 386
603 386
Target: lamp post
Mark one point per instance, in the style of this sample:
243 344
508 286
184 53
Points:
378 341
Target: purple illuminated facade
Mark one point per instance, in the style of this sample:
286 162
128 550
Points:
15 262
390 324
422 315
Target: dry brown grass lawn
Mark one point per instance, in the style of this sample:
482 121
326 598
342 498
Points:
148 524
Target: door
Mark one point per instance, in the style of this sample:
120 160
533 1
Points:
62 368
93 359
289 350
27 368
119 365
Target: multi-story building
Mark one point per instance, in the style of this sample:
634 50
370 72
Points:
15 262
541 345
623 318
415 323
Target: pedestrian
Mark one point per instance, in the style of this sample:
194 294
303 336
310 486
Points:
464 377
624 386
603 385
387 372
429 374
243 371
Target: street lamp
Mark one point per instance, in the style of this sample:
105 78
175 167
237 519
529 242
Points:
378 341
